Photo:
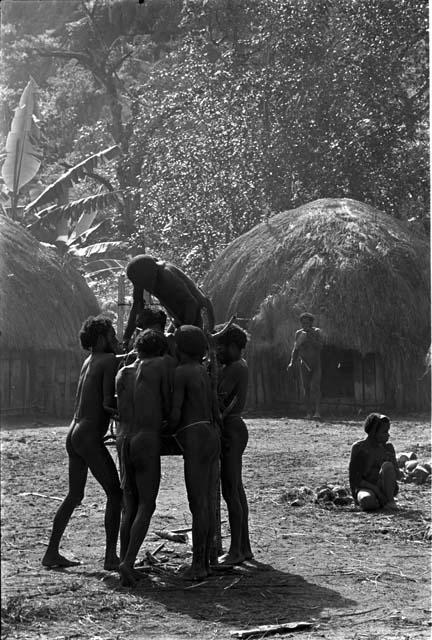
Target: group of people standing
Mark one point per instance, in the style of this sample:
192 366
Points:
164 402
170 395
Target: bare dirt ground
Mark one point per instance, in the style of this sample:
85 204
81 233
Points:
353 575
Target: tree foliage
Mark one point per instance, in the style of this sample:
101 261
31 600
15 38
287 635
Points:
226 111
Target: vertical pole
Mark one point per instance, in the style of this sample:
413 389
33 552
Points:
218 536
216 545
120 306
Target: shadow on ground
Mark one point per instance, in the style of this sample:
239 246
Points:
248 595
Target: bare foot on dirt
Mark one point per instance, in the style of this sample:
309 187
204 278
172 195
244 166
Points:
195 573
128 575
52 560
230 559
112 564
391 506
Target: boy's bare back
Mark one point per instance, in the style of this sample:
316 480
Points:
192 394
143 390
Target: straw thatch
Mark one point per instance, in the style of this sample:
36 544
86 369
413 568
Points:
43 303
363 274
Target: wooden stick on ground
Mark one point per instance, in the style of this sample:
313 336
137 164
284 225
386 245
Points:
268 629
40 495
173 537
159 548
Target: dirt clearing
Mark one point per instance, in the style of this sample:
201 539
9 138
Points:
353 575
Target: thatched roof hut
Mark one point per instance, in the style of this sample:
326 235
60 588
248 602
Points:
365 277
43 303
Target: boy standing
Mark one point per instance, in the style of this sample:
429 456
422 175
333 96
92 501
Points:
143 401
94 407
198 438
232 390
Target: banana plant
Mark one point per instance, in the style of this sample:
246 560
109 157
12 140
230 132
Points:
69 224
58 190
23 156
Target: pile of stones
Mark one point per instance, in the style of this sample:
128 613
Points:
414 470
325 494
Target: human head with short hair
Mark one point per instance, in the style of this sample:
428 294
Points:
307 320
98 334
191 341
377 427
150 318
231 343
150 343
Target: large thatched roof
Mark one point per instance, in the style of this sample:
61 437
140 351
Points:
364 275
42 301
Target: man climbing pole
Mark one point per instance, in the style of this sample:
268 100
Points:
180 296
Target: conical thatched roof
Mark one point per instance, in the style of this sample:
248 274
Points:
42 301
364 275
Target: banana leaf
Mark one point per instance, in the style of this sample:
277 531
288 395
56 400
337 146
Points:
23 157
83 226
60 187
99 248
50 216
97 267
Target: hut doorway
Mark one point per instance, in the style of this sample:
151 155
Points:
337 373
350 379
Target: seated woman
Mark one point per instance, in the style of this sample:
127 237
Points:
373 470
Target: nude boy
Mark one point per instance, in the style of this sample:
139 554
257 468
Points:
232 391
307 348
198 438
94 407
144 402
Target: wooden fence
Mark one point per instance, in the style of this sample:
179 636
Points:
39 382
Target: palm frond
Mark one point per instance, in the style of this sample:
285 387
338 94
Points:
75 209
104 265
98 248
59 188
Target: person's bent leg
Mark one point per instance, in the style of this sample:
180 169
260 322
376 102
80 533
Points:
129 493
128 513
234 443
196 479
105 472
147 478
367 500
245 541
213 539
200 448
231 480
77 480
387 483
